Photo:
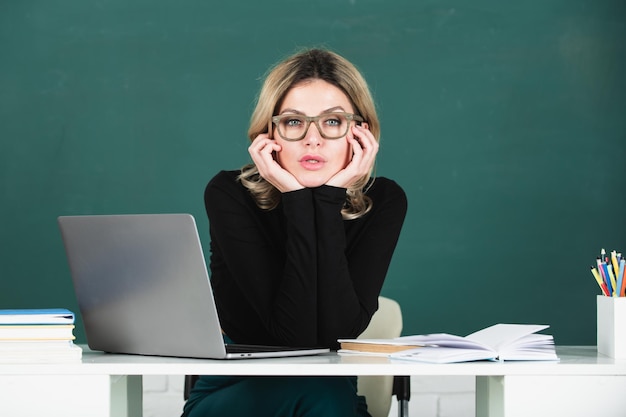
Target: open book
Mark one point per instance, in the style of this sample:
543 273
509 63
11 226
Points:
515 342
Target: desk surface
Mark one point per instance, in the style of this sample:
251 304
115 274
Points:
575 360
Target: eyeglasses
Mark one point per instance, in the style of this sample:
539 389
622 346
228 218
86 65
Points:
334 125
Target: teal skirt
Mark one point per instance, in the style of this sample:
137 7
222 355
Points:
282 396
244 396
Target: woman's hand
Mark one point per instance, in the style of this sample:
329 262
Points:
364 150
262 152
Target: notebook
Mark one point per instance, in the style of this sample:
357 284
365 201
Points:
143 287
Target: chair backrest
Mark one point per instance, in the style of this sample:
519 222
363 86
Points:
386 323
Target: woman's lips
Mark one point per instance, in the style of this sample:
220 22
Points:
312 162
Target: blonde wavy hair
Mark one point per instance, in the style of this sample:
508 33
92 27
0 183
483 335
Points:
307 65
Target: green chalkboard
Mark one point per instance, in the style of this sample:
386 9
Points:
504 122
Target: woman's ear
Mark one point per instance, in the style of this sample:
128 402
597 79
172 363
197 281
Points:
365 125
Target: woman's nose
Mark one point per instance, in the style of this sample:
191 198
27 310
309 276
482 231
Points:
313 136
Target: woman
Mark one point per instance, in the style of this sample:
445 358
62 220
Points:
302 238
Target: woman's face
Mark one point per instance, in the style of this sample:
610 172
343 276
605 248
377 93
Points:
314 160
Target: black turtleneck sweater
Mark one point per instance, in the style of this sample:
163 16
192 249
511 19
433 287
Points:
299 275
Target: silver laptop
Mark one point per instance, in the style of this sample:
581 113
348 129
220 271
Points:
143 288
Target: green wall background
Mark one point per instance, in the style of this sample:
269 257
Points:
504 122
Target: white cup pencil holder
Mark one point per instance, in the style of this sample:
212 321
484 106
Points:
611 316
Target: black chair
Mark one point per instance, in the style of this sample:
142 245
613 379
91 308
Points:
402 391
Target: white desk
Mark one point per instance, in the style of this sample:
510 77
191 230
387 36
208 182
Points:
583 383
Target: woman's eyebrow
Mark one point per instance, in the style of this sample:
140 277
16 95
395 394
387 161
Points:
333 109
330 110
288 110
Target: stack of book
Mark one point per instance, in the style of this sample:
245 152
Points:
38 336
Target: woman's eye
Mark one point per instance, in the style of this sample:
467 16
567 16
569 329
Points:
333 121
293 122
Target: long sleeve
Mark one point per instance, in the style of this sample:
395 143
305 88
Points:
263 265
299 274
353 258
